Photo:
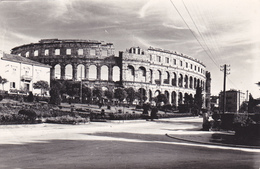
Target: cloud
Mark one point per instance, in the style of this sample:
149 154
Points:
173 26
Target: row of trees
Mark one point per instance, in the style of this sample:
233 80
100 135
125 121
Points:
73 90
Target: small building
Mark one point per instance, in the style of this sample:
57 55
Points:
234 99
21 73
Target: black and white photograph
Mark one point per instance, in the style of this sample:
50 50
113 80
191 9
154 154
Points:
129 84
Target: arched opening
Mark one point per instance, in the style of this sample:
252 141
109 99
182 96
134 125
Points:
198 83
36 53
191 82
142 74
142 93
57 71
180 98
174 79
195 83
92 72
180 80
27 54
104 72
158 77
80 72
116 73
166 79
150 95
130 73
186 79
151 75
174 98
167 94
68 71
156 93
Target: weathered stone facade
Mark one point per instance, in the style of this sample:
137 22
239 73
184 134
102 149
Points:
154 70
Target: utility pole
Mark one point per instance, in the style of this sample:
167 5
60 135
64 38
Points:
247 95
80 85
224 85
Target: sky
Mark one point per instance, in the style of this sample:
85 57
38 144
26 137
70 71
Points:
216 32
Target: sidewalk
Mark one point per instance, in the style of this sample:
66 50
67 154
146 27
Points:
221 138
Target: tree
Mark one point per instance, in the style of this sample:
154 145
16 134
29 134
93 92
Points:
120 94
43 85
3 81
71 88
140 95
56 86
188 101
86 93
97 92
162 98
131 95
109 94
198 100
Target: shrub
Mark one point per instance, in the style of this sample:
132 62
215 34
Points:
66 120
1 97
245 126
13 119
30 114
30 97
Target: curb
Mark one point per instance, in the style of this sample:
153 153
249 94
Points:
216 144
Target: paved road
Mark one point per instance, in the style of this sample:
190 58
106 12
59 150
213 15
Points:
134 144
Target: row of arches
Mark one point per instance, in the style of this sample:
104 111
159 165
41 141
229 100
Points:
89 72
174 97
159 78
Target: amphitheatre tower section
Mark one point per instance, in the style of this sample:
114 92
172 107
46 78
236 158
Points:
154 71
75 59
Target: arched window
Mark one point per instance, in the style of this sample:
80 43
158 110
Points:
191 82
174 79
57 71
92 72
167 94
27 54
157 92
174 98
195 83
36 53
46 52
68 71
116 73
180 80
142 74
158 77
180 100
166 79
151 75
130 73
104 72
186 79
80 72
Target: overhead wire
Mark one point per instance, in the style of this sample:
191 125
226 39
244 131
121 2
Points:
197 29
194 35
216 45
